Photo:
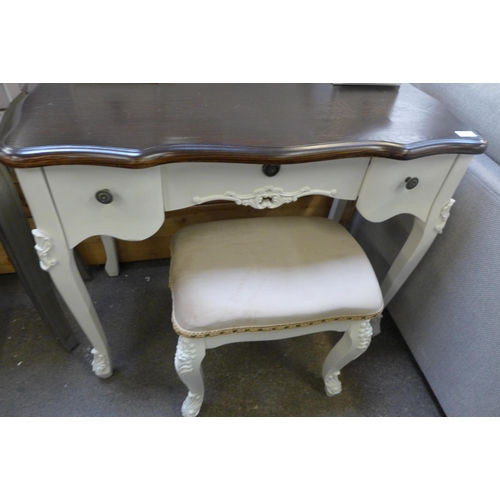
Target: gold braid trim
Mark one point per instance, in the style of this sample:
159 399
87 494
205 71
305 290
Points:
288 326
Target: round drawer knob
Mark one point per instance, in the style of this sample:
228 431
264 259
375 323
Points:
104 196
271 170
411 182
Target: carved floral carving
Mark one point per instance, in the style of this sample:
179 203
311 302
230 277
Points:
364 335
265 197
184 355
445 215
43 247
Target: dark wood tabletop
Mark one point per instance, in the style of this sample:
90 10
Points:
142 125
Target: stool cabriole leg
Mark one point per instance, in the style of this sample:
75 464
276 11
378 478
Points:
353 343
188 358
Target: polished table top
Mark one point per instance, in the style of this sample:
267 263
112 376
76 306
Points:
142 125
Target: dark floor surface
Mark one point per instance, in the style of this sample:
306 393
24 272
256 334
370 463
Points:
258 379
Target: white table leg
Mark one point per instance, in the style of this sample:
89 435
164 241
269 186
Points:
112 266
424 233
70 285
420 239
57 259
60 263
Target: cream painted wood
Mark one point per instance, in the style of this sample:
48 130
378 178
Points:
353 343
247 184
191 352
384 194
424 233
112 266
62 200
188 357
58 259
135 213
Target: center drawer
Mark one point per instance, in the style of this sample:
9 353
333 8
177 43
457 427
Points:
187 184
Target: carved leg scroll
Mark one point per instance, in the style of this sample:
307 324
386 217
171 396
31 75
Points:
188 358
353 343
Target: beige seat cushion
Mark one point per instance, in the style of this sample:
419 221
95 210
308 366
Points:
268 273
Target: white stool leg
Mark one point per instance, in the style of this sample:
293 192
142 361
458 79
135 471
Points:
188 358
353 343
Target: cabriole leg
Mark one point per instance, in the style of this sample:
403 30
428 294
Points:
188 358
353 343
59 261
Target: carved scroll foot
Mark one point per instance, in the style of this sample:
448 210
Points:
332 384
188 357
101 365
192 405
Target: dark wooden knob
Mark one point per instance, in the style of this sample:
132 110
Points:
104 196
411 182
271 170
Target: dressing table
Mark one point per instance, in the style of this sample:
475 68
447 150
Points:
110 160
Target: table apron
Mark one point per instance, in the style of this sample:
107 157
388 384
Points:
139 198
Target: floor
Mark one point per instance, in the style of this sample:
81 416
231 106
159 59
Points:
282 378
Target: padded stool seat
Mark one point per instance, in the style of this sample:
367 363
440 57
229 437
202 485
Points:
286 276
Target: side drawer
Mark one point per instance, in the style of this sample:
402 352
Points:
186 184
135 211
384 192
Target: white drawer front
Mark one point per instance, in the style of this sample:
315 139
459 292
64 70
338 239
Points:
187 184
384 193
135 212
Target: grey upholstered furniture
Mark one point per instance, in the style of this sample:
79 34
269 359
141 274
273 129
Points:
15 235
17 240
449 309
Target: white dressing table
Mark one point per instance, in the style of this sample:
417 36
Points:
112 159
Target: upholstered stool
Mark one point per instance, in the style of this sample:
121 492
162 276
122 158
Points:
267 279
